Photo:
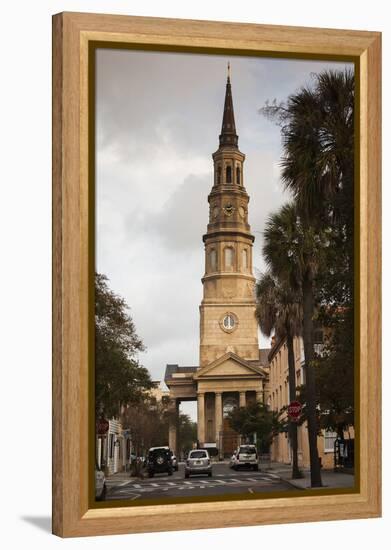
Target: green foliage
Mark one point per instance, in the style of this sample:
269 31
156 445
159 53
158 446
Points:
119 378
256 418
334 371
278 307
147 422
317 129
187 432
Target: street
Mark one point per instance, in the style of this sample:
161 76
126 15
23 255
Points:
224 481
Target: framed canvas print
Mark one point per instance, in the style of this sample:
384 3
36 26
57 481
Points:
216 298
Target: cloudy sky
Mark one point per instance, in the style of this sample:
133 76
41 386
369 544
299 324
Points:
158 120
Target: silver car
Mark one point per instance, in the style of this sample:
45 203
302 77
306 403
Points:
198 462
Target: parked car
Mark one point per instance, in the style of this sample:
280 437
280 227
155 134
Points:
100 484
198 462
159 460
174 461
244 456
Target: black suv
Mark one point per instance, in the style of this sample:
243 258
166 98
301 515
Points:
159 460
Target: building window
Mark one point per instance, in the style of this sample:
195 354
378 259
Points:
329 439
228 177
229 256
244 259
219 174
213 259
238 175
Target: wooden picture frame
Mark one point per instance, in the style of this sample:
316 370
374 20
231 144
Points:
73 34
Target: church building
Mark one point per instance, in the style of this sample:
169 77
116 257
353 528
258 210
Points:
232 370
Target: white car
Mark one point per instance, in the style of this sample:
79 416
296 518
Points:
100 484
245 455
198 462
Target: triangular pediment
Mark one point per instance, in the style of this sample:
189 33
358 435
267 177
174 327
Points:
229 365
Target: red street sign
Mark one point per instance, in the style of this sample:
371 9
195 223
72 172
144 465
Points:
294 410
102 426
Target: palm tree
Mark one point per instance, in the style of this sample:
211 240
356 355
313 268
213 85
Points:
294 252
279 309
317 127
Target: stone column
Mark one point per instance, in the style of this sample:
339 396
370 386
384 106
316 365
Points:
242 399
173 426
259 396
219 420
201 418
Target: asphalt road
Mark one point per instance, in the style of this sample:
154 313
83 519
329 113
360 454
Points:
224 481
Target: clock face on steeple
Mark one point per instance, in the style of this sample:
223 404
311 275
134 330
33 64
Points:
229 322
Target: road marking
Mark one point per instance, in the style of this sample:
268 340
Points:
188 482
171 483
251 479
250 490
137 486
203 481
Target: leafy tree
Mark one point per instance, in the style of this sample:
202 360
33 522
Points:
317 128
119 378
187 432
279 309
334 371
256 418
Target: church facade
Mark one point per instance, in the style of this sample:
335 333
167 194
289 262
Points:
232 370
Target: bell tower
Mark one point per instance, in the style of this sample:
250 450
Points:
227 319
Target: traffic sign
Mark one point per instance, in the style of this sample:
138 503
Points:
102 426
294 410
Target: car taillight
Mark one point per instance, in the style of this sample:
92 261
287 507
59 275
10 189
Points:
188 462
208 461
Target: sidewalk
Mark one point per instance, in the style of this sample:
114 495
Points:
330 479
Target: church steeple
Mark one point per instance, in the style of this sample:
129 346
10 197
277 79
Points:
228 323
228 134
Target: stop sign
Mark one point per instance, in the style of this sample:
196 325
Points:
294 410
102 426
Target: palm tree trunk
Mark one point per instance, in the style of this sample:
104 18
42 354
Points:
296 474
308 339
